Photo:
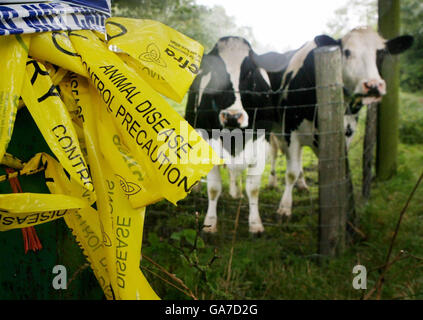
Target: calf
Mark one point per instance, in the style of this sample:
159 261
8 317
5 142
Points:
215 108
293 72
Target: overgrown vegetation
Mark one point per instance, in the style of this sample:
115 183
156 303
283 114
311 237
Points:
411 118
412 62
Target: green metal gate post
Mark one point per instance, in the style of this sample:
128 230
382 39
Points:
29 276
387 131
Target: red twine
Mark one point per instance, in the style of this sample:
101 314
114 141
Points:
31 240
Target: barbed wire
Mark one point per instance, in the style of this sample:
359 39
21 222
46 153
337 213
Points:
282 107
268 92
282 134
305 209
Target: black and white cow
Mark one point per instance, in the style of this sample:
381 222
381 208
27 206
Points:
363 50
215 103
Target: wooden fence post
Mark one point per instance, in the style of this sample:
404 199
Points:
368 149
332 174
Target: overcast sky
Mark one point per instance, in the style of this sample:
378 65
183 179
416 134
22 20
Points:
281 24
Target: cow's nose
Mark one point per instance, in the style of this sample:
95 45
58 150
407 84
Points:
231 118
349 132
374 87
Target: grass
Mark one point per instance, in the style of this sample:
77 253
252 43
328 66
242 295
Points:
282 263
411 118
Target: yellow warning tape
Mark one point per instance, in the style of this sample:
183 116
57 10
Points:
98 103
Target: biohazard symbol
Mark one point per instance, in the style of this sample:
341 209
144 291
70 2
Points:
106 240
153 55
129 188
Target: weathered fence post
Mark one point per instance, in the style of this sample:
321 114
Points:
332 173
368 149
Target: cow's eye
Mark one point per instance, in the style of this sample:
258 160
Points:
347 53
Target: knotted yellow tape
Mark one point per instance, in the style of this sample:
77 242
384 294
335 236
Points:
120 145
168 60
13 53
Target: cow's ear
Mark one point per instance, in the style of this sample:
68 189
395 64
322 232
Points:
324 40
271 61
399 44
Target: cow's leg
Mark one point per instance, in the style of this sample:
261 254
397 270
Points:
235 183
293 171
253 189
274 147
214 189
301 183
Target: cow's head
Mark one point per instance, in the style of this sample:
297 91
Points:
217 93
363 50
231 51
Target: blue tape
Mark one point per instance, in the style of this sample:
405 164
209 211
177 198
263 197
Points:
101 5
54 16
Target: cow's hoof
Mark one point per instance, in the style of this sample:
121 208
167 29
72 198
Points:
284 212
210 224
303 187
210 229
256 229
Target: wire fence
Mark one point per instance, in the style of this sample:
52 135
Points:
306 223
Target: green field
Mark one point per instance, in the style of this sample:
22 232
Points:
282 263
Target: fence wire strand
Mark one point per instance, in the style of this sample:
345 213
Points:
305 208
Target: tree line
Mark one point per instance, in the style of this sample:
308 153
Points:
204 24
207 25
